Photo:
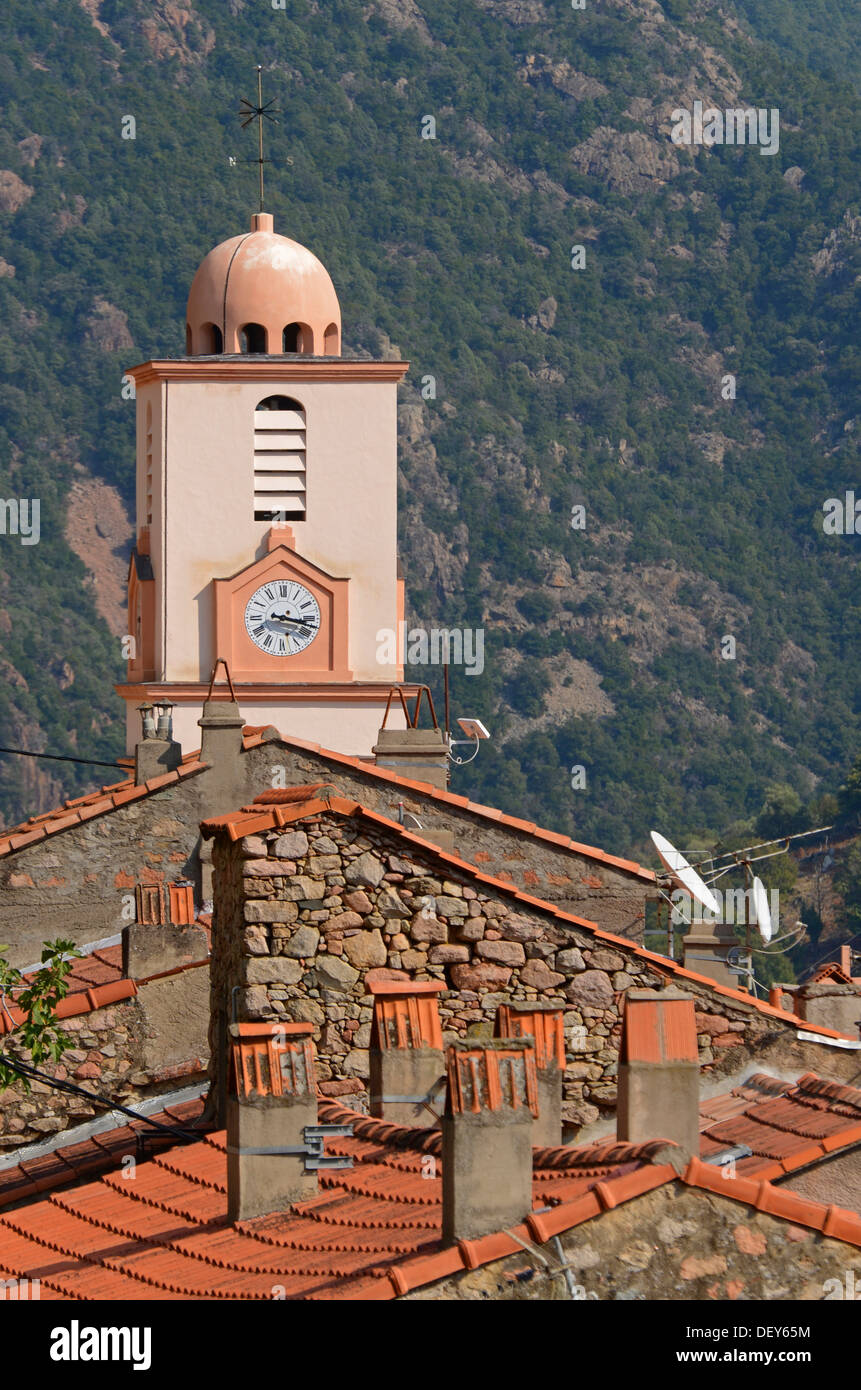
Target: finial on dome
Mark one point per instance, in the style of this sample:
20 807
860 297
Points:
262 222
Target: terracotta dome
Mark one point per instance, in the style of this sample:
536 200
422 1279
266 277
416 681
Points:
261 292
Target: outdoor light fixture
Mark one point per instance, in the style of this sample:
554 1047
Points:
476 732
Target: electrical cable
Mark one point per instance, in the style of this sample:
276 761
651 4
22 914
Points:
59 758
69 1086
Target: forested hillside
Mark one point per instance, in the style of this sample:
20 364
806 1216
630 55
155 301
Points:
605 387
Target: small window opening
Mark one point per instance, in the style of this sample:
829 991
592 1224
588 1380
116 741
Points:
211 339
252 338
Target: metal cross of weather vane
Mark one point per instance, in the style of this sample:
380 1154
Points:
248 113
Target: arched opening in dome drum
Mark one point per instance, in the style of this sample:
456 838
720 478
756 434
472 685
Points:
297 337
252 338
211 340
330 341
279 460
188 340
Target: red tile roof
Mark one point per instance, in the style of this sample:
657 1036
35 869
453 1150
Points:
71 1162
81 808
372 1232
96 980
786 1124
265 813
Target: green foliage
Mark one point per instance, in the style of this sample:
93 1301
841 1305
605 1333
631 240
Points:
448 247
849 795
37 998
847 880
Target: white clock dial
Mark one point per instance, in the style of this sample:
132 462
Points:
282 617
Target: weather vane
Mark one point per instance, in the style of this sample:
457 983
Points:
248 113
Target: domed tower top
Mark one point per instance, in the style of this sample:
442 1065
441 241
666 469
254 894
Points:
262 293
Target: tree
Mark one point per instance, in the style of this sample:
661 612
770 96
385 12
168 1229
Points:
37 998
849 795
847 881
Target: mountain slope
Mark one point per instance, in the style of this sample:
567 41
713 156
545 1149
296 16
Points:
601 387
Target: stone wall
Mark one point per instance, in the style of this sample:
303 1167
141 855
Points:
126 1052
673 1244
83 873
304 918
578 883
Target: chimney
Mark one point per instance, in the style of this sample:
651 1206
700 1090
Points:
544 1024
407 1060
831 1003
706 950
659 1070
420 754
157 752
221 737
272 1098
221 730
491 1102
164 934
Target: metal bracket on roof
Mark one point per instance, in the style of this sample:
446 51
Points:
404 1100
727 1155
312 1150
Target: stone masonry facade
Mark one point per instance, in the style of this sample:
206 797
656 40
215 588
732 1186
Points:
673 1244
305 917
83 876
127 1052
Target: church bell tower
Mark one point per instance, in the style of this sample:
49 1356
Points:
266 506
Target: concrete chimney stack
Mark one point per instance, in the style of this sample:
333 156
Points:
407 1059
272 1097
491 1103
156 752
221 726
165 933
659 1070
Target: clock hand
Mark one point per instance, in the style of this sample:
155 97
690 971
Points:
297 622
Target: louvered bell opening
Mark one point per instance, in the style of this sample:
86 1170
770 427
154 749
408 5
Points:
279 465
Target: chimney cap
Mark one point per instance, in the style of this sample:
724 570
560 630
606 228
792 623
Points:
405 987
524 1043
270 1030
532 1006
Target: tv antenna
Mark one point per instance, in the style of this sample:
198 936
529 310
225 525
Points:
248 112
714 867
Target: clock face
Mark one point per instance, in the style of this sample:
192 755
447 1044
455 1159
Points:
282 617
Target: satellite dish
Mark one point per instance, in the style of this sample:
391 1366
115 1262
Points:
762 911
684 874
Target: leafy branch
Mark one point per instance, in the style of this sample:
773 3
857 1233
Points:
37 998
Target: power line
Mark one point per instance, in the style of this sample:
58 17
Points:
23 1070
59 758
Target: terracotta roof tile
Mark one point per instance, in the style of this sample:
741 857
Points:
787 1126
119 793
372 1231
